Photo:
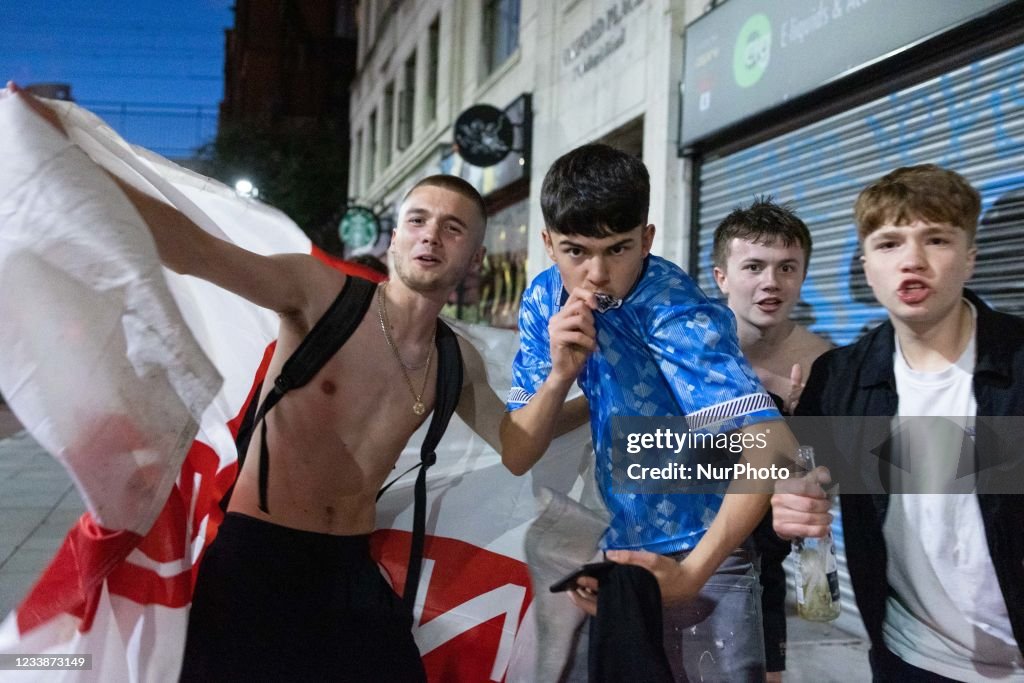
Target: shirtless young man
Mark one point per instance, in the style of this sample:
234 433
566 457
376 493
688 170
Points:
760 255
292 593
294 589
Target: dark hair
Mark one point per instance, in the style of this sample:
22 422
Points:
456 185
763 222
925 192
595 191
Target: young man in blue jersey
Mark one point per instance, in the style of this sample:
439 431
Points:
641 339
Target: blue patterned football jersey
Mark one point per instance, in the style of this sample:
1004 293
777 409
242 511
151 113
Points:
667 351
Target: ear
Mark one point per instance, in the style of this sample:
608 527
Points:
548 245
721 280
972 256
647 238
478 259
394 236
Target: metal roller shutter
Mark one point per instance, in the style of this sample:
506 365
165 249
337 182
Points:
971 120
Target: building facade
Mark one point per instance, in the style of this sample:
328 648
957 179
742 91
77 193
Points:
283 125
814 104
288 61
563 74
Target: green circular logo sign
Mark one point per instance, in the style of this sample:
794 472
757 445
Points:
753 50
359 227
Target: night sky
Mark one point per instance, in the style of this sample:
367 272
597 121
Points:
125 52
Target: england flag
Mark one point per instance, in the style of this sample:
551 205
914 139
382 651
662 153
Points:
135 378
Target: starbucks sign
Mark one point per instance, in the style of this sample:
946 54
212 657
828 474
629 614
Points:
359 227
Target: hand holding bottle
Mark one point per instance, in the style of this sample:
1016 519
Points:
817 575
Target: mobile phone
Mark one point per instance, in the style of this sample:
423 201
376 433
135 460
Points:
596 570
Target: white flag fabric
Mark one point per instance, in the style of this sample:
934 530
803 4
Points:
134 378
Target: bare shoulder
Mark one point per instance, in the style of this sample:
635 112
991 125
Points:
473 368
807 345
314 284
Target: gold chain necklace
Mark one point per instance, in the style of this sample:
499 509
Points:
385 324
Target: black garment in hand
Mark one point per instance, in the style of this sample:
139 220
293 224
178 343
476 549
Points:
626 636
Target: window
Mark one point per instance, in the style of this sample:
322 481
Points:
433 65
407 103
501 32
387 120
356 168
371 152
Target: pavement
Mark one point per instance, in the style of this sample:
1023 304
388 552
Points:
38 504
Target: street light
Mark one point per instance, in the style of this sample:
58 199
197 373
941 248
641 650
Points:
245 188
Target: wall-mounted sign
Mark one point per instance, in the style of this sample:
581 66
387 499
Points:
484 135
514 167
359 227
746 56
604 36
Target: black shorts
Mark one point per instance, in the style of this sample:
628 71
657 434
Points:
273 603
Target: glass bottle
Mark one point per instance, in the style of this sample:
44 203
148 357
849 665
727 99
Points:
817 576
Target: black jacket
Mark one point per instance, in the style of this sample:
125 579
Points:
859 380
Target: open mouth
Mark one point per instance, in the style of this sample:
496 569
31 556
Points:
913 292
427 259
770 304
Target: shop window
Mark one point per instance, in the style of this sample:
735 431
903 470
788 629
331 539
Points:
491 295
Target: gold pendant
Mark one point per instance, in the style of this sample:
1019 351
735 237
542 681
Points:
419 408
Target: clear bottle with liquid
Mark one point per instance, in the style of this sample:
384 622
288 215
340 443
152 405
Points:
817 575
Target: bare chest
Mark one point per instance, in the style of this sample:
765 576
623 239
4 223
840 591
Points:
334 442
362 400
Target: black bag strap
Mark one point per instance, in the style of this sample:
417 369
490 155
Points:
323 341
328 335
449 388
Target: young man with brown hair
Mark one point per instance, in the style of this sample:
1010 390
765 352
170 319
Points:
761 253
938 577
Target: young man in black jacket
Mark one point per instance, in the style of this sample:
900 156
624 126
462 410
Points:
938 575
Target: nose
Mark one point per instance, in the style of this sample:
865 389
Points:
597 274
913 257
769 280
430 232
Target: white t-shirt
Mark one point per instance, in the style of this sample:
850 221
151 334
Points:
945 613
